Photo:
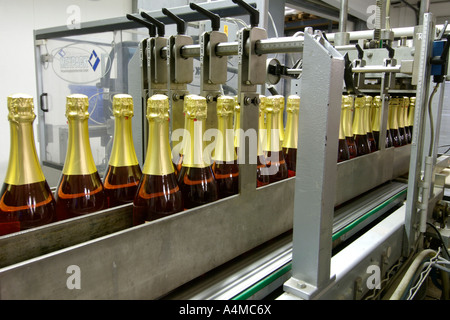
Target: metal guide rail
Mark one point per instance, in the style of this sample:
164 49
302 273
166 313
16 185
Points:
121 261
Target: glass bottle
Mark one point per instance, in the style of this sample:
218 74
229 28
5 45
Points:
80 189
262 179
412 106
123 175
281 123
358 127
158 193
405 119
393 122
178 161
196 179
276 163
376 120
348 124
401 121
26 199
237 124
343 153
367 124
225 166
290 141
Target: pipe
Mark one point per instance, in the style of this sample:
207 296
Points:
343 16
409 275
388 15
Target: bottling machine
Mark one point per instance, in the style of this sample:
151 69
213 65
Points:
334 231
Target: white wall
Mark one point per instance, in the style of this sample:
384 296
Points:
18 19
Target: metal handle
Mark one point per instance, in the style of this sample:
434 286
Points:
254 14
150 26
41 99
181 24
159 25
215 19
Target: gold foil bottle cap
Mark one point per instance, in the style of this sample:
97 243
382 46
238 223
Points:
360 102
77 106
368 101
196 107
412 101
347 101
21 108
225 106
274 104
158 107
293 103
377 101
123 105
406 101
394 101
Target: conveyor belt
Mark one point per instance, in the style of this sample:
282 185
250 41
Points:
261 271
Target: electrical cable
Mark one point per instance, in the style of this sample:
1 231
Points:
430 115
440 238
423 275
410 274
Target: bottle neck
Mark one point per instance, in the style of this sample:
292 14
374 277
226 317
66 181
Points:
79 160
237 127
261 133
342 125
291 133
281 124
411 115
123 153
273 133
24 166
224 150
358 122
376 119
158 160
401 115
348 119
367 117
194 155
393 122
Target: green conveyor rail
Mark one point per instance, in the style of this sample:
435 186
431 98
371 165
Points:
287 267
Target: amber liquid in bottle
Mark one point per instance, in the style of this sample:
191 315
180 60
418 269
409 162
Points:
196 179
367 124
290 142
376 119
225 166
80 189
401 122
393 123
405 120
348 123
343 153
121 184
359 133
158 192
26 200
276 163
123 175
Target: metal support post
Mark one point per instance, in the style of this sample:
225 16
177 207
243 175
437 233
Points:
417 161
315 185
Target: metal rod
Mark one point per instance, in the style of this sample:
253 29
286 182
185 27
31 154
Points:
376 69
343 16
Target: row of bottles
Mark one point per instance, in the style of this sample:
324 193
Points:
162 187
359 128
